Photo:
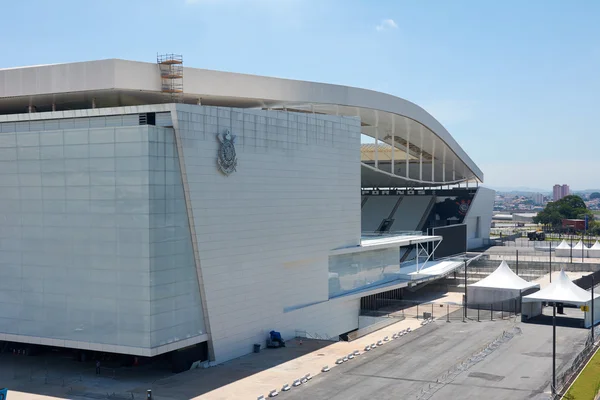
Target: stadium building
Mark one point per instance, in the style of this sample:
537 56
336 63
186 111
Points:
150 209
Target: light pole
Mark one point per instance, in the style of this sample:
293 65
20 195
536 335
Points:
571 248
593 320
466 304
583 241
550 261
553 348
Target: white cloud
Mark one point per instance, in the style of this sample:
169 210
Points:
386 24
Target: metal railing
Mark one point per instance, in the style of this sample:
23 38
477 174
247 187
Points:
566 378
304 334
369 234
449 311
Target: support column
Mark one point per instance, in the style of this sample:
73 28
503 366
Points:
407 153
421 159
393 141
93 102
376 139
454 170
433 162
444 165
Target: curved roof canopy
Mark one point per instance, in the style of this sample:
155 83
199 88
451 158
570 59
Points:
427 154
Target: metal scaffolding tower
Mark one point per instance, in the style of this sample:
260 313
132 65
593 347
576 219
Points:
171 75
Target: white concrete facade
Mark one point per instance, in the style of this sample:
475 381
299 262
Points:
264 233
479 217
95 250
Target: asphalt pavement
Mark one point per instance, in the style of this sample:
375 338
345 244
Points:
427 364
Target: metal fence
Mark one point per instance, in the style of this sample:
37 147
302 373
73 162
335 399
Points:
520 239
567 377
420 310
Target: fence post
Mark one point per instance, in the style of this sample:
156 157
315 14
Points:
478 307
417 311
491 311
502 309
448 312
432 310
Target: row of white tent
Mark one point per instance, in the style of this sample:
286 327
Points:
503 284
564 250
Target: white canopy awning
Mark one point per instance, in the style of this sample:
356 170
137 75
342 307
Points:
504 278
563 245
596 246
580 246
561 290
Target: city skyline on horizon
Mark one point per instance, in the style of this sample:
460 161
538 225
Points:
533 190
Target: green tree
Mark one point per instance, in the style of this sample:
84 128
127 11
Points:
594 195
569 207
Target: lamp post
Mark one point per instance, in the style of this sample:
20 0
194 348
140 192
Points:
571 248
550 261
554 348
466 304
517 262
593 320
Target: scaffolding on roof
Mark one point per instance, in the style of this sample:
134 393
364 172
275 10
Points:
171 75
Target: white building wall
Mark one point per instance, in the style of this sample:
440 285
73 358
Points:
95 250
265 231
479 217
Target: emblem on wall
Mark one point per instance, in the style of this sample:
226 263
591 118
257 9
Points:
463 206
226 157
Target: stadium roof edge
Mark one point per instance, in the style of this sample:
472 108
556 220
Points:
140 82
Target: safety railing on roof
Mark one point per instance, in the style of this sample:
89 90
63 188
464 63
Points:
369 234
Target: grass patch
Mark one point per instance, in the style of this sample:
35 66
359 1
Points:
587 384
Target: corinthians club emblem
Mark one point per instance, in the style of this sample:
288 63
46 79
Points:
463 206
226 158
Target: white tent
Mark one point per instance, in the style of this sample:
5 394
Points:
561 290
580 249
501 285
594 251
563 249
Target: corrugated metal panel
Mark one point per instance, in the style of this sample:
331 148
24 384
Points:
163 119
114 120
97 122
131 119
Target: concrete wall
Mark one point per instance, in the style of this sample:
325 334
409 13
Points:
95 251
479 217
265 231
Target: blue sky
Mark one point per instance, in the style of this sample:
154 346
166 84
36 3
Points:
517 83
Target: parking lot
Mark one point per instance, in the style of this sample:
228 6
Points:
433 364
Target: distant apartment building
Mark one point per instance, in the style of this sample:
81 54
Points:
538 198
560 191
